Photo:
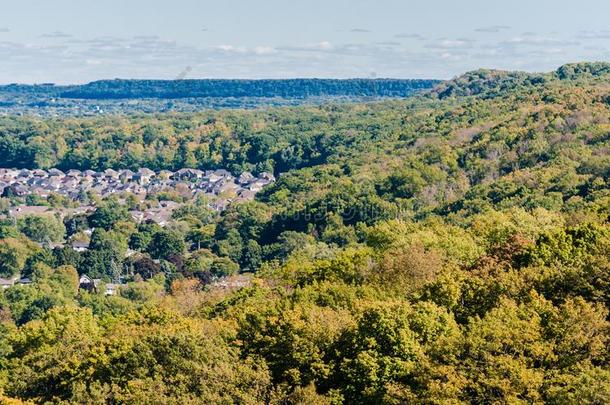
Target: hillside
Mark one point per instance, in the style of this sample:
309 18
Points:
451 247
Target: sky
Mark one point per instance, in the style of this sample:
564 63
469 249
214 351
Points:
76 41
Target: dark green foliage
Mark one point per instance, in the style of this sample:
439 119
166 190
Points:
42 229
165 244
296 88
75 224
108 214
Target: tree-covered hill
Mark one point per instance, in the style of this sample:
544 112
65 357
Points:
453 247
488 83
289 88
220 88
108 97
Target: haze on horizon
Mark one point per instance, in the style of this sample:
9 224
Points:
65 41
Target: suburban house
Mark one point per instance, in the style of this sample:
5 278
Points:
80 246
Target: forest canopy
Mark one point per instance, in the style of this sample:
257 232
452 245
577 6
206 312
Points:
453 247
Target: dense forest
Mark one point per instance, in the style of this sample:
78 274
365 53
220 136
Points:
452 247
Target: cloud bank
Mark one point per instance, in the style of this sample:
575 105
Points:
60 57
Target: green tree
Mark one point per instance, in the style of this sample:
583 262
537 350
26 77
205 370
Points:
42 229
165 244
13 256
108 214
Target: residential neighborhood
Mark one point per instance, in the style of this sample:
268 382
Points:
220 185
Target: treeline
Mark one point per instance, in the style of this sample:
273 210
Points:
225 88
286 88
274 140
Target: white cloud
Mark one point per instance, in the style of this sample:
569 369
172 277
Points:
388 43
450 44
85 59
146 37
409 36
588 35
325 45
231 48
493 28
539 41
56 35
264 50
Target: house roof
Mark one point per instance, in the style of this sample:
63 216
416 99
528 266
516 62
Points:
80 244
7 281
146 172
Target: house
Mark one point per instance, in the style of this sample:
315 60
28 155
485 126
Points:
16 190
54 182
84 280
246 194
87 283
137 216
222 187
80 246
245 178
7 282
168 204
188 174
111 174
267 176
165 175
220 204
69 183
74 173
257 185
86 178
7 172
9 176
24 174
223 173
156 188
143 176
160 216
126 175
146 172
24 281
39 173
218 175
41 191
112 288
56 173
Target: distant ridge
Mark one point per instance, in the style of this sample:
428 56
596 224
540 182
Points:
220 88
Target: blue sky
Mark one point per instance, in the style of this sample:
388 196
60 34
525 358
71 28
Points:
73 41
